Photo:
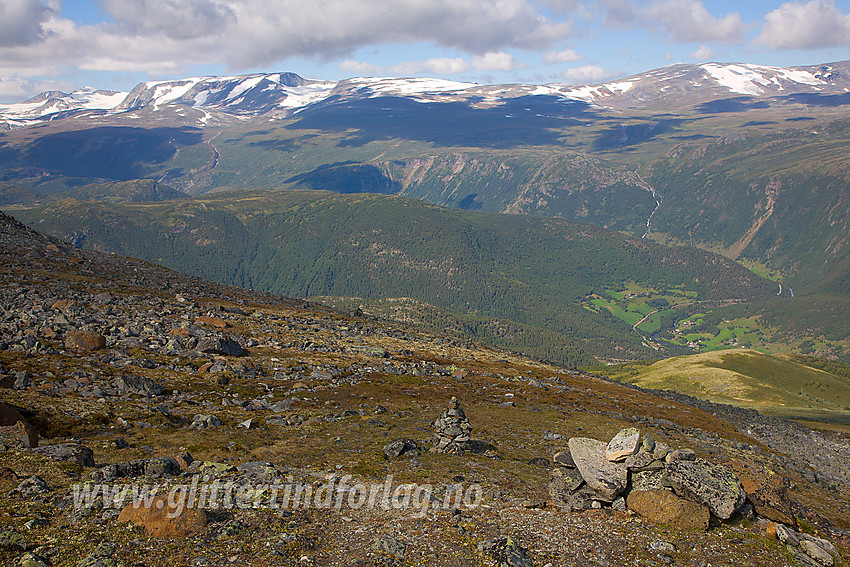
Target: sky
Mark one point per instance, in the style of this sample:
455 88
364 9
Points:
115 44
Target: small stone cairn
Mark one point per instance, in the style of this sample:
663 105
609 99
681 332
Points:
452 430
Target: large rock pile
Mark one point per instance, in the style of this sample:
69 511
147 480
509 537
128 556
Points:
452 430
672 487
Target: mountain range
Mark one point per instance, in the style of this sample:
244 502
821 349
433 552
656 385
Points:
745 162
286 93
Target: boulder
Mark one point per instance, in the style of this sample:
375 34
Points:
155 467
140 385
68 452
817 552
505 552
164 519
623 445
400 447
706 483
84 340
220 344
201 421
257 472
664 507
31 487
14 429
606 478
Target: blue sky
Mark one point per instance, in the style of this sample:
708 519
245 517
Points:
115 44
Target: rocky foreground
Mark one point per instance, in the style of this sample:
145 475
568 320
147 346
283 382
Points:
282 433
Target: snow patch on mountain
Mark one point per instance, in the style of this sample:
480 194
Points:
752 79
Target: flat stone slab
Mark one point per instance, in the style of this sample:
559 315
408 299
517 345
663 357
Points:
623 445
608 479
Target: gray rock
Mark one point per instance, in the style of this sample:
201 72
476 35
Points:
624 444
387 545
641 461
141 385
680 455
571 479
787 536
576 500
831 549
220 344
505 552
606 478
400 447
816 552
68 452
564 459
155 467
201 421
258 472
30 488
707 483
647 480
22 380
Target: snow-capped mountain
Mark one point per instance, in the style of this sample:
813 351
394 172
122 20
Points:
694 84
280 94
53 104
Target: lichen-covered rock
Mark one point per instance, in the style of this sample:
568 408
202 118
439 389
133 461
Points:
505 552
707 483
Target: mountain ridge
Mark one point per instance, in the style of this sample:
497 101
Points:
270 93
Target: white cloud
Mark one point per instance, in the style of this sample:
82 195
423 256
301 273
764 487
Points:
815 24
689 20
566 56
586 74
170 36
680 20
702 53
22 22
360 67
19 88
445 65
178 19
496 61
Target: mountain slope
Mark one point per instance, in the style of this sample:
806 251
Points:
746 377
532 271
